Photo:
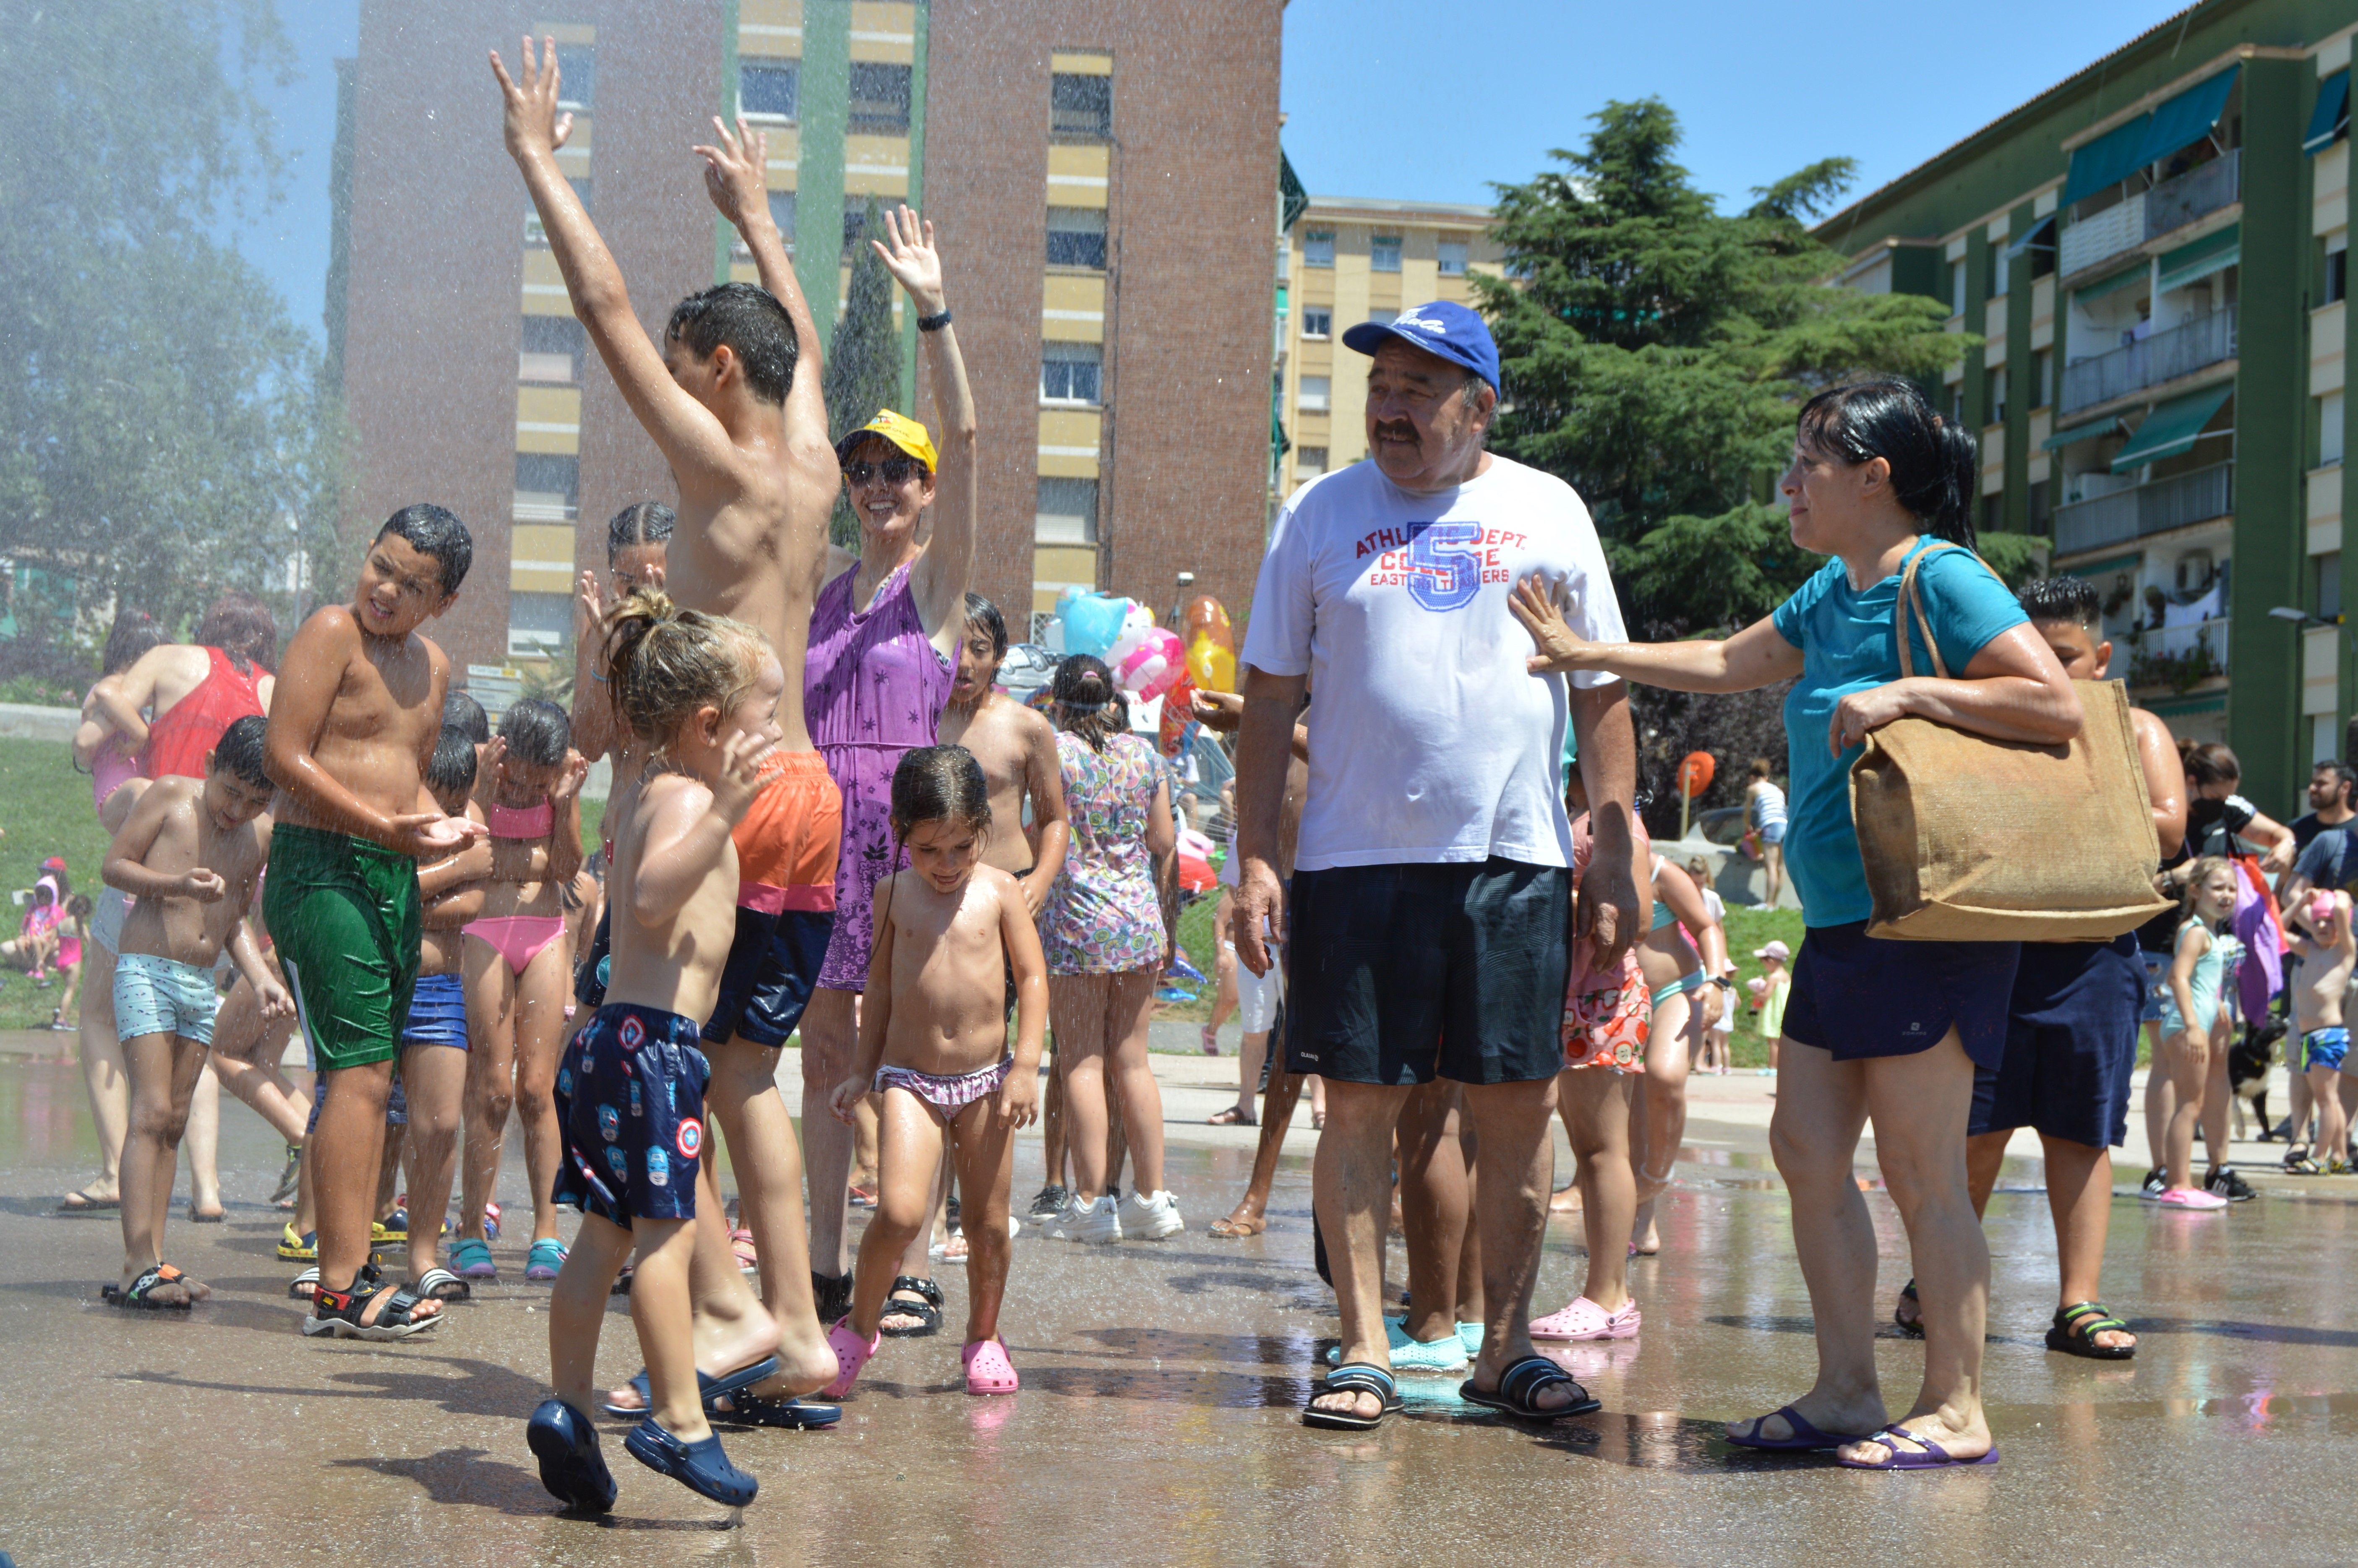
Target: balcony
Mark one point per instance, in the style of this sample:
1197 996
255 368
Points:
2181 350
2149 214
2180 657
2155 508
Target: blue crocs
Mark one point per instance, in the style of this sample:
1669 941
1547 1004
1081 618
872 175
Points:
572 1469
701 1467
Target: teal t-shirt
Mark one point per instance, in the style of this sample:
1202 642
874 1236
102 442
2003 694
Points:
1846 643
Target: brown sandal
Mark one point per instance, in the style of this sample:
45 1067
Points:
1235 1116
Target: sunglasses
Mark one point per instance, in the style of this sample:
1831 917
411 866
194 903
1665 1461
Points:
896 470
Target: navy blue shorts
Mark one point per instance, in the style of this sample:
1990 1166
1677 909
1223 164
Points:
438 1012
2071 1044
589 974
772 965
629 1102
1401 974
1860 997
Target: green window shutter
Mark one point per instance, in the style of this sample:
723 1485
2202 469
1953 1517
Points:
2109 159
2187 117
1292 200
2212 252
2171 428
2330 118
2062 439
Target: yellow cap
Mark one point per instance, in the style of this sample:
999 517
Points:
902 431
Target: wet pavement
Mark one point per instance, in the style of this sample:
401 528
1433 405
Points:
1157 1421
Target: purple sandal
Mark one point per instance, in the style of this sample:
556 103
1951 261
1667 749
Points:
1805 1438
1933 1457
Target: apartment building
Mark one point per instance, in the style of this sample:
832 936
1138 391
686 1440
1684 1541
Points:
1346 261
2153 256
1099 177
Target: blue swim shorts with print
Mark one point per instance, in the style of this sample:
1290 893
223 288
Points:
2326 1048
163 996
629 1102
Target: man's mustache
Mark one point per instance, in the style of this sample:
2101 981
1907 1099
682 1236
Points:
1395 430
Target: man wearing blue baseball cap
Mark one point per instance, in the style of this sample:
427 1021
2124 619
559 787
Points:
1431 890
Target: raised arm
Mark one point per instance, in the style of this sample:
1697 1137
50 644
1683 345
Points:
692 440
736 176
593 707
1757 656
687 840
940 577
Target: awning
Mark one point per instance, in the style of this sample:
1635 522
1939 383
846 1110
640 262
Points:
1291 199
2187 117
2330 118
2062 439
2211 253
2109 159
2097 290
2040 233
2171 429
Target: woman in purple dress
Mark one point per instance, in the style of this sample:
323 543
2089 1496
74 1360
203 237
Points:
883 641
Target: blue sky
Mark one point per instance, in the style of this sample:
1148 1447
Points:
1431 102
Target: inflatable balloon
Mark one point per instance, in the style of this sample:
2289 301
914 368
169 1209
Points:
1179 724
1092 621
1137 620
1209 617
1212 666
1149 669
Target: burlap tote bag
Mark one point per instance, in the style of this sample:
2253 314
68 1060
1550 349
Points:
1967 838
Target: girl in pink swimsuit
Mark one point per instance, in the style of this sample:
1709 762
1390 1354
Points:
518 971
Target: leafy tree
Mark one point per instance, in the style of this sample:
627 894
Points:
1655 352
863 361
169 434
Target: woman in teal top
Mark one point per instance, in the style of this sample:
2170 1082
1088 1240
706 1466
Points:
1890 1029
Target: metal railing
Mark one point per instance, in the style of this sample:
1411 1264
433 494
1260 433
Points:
2179 351
2174 203
2155 508
2179 657
2120 227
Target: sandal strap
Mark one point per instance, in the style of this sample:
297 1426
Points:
2088 1319
1527 1377
1360 1378
925 1288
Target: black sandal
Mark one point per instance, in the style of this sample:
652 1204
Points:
1912 1330
1518 1390
1353 1377
2076 1328
138 1292
338 1313
927 1312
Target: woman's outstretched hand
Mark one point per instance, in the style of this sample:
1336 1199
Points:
1558 646
909 255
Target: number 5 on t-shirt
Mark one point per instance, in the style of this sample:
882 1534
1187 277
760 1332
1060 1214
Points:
1443 574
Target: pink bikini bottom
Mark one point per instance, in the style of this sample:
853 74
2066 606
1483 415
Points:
519 938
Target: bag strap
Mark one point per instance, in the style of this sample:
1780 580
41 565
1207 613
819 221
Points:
1911 600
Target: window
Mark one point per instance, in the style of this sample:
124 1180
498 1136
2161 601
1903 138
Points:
2040 513
855 224
1993 397
1998 271
2337 268
552 350
2329 585
1317 321
1956 288
1076 237
1382 318
1316 394
768 89
880 99
577 76
1070 373
539 624
1993 514
1452 253
782 213
1318 249
2329 429
1080 106
2042 375
1309 462
547 487
1384 253
1957 402
1067 512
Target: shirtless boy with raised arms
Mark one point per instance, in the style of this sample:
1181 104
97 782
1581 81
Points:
352 726
732 400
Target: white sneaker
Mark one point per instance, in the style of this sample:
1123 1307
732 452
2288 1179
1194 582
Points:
1150 1218
1096 1223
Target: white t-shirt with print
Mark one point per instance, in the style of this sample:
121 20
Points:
1429 739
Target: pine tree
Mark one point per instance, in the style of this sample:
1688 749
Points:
863 361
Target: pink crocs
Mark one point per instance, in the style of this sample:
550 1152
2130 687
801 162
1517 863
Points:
851 1353
988 1370
1583 1319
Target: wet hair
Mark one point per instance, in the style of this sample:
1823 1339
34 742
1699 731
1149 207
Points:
752 322
2344 774
640 523
80 906
2197 872
2209 763
452 766
1762 767
240 751
536 732
133 633
939 784
433 531
1934 463
2070 599
242 626
460 711
1087 701
665 662
981 613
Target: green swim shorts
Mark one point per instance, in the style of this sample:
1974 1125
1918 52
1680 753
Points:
344 915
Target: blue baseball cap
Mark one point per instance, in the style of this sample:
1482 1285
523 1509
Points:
1442 328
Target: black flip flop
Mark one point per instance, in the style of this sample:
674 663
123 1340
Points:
1353 1377
1518 1390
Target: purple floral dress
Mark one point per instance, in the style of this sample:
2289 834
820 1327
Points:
1103 916
873 689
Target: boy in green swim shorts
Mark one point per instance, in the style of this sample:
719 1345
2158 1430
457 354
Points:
352 724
